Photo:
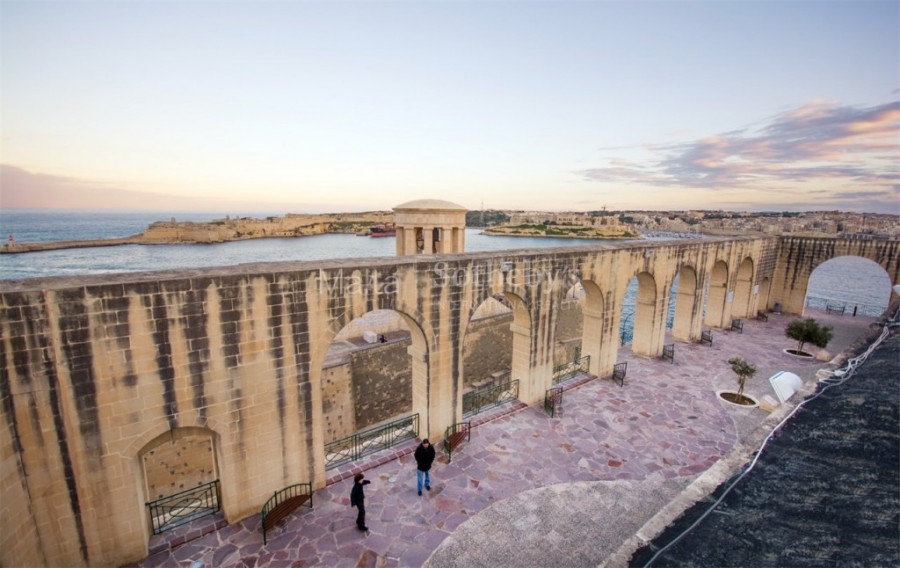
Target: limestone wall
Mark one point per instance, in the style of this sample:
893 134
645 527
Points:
96 370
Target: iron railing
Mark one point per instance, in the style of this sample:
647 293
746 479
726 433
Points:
571 369
370 441
553 401
832 305
477 401
183 507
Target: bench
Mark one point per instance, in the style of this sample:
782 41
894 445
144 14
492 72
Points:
669 352
553 401
283 503
706 337
455 435
737 325
833 309
618 375
762 316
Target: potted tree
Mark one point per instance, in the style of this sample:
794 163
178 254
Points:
744 370
808 331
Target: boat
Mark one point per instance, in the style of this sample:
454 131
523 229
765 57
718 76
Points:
386 230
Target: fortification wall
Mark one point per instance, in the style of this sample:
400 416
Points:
95 371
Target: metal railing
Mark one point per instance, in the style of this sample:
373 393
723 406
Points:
855 308
477 401
370 441
571 369
183 507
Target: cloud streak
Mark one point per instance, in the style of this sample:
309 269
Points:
818 142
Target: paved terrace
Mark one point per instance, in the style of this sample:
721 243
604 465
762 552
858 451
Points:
530 490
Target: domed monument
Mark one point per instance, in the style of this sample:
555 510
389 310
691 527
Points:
430 226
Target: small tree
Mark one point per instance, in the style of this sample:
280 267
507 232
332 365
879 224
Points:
743 370
809 331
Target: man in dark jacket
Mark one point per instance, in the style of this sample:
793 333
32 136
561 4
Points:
358 500
424 458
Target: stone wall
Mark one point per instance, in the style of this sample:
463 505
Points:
382 383
487 349
96 370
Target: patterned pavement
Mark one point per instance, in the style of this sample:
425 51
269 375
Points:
527 488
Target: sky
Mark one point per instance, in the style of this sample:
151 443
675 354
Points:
319 106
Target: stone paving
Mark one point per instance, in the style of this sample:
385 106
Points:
531 490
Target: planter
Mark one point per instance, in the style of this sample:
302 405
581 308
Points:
798 354
736 399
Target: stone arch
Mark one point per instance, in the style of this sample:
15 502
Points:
486 345
521 346
177 460
352 400
742 306
645 315
687 321
717 294
860 285
596 344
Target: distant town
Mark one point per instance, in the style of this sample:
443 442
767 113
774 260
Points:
601 224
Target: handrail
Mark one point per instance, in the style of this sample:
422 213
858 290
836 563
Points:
477 401
856 308
180 508
370 441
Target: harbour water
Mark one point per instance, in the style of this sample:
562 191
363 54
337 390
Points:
849 281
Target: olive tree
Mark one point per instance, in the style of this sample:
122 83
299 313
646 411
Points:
743 370
809 331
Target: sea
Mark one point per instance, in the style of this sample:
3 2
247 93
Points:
850 281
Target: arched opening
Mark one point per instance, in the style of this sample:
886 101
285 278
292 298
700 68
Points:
684 290
743 290
180 477
644 314
569 325
374 385
717 293
487 353
850 285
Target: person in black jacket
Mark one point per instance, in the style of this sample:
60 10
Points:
358 500
424 458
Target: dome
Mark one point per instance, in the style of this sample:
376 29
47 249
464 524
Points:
432 204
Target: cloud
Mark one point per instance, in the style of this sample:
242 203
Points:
817 142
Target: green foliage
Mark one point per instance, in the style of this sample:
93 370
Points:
486 218
743 370
809 331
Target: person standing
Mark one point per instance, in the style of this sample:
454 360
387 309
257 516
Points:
424 458
358 500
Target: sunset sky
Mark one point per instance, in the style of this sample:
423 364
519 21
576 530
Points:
336 106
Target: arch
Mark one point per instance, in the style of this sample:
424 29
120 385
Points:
486 345
645 315
717 294
364 380
742 306
859 285
569 323
596 344
686 323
